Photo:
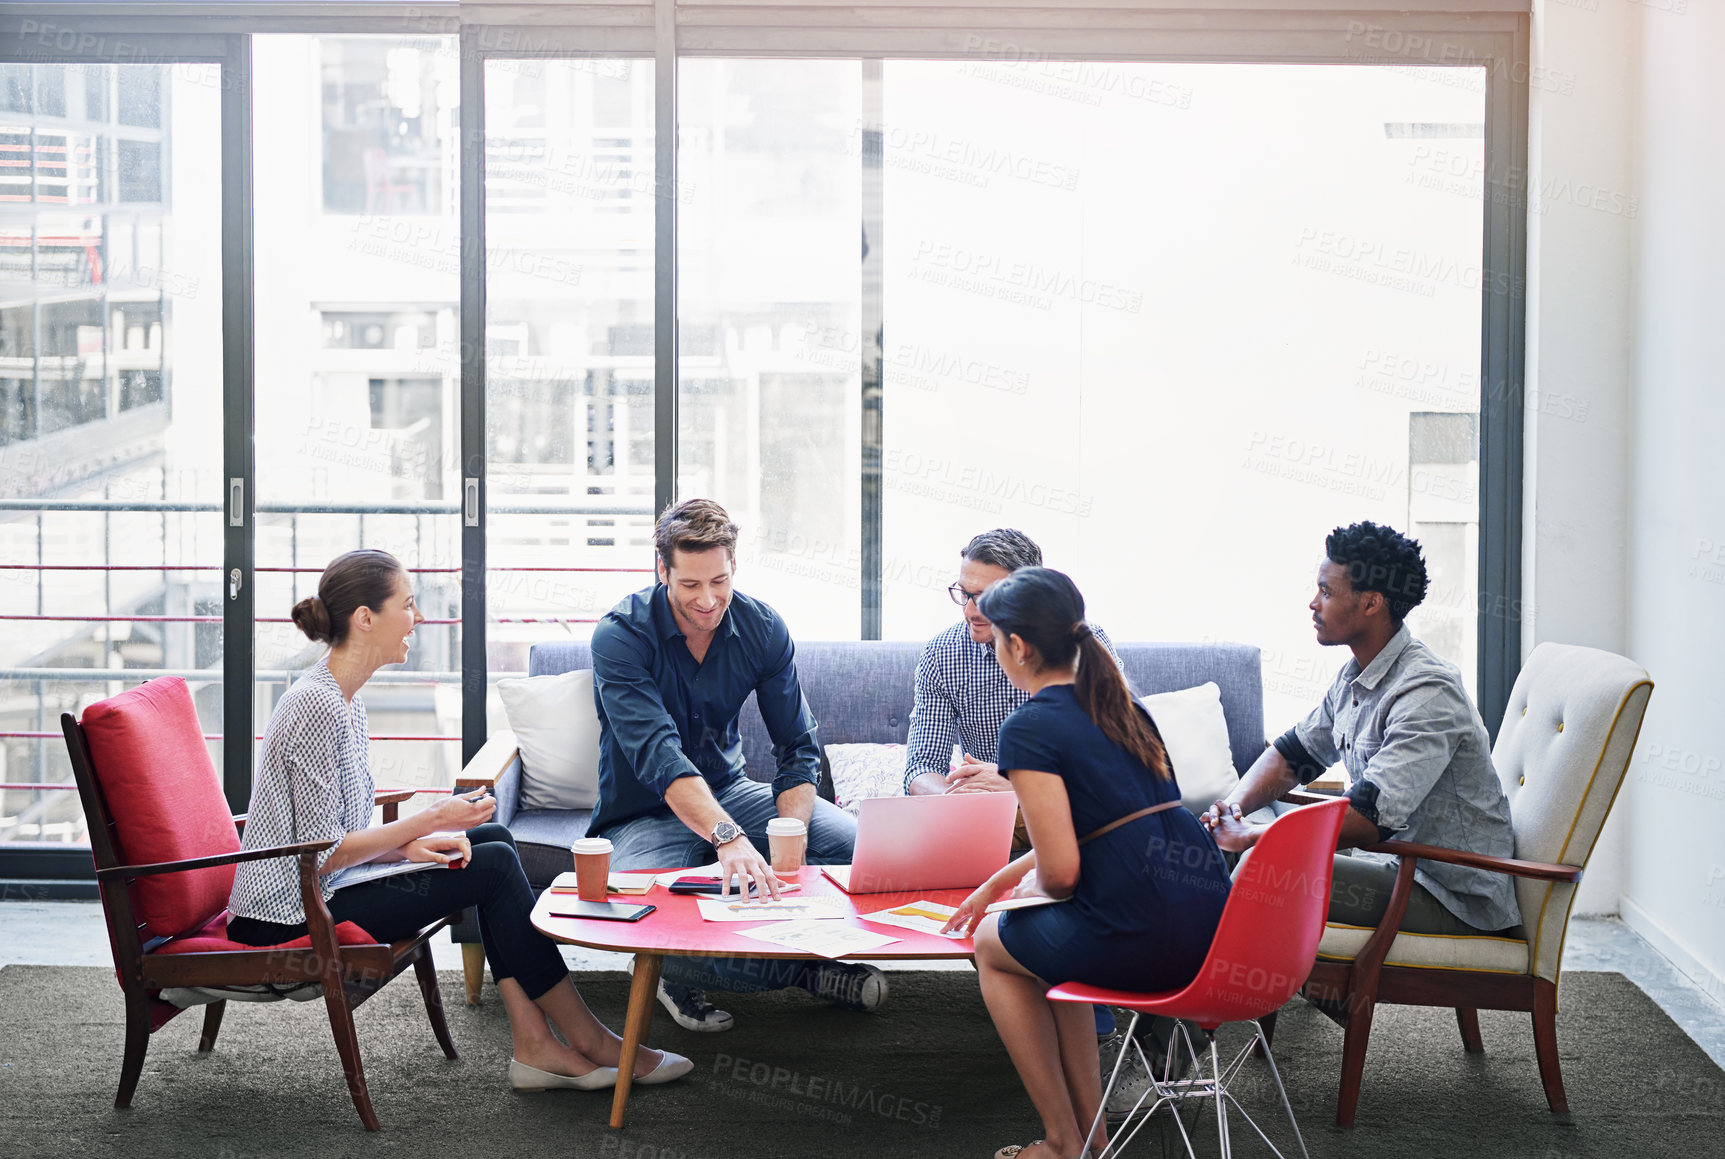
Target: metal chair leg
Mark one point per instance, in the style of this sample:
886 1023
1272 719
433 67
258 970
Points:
1221 1102
1164 1094
1264 1046
1113 1077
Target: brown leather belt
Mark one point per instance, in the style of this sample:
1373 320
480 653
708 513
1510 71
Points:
1130 817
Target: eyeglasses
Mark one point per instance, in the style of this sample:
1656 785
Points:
960 596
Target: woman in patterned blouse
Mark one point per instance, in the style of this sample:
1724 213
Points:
314 784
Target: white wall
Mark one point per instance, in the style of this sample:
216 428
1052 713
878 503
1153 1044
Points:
1579 347
1625 508
1674 870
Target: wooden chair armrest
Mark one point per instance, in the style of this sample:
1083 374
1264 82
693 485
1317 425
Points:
151 870
319 922
1539 870
488 763
390 800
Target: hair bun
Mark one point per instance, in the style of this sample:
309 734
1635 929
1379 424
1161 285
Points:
312 618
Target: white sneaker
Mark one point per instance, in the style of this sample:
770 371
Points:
1135 1080
1133 1084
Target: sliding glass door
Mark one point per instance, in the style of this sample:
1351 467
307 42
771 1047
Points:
111 415
357 379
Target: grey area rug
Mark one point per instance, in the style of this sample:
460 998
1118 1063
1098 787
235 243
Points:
926 1076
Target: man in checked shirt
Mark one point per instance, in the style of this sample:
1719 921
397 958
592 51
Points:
962 696
961 693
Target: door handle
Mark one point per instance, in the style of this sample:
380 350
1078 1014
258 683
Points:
234 584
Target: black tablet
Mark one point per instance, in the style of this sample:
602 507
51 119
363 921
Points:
607 911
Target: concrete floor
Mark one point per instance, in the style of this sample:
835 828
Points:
72 934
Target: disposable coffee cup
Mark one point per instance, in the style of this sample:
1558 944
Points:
592 867
787 840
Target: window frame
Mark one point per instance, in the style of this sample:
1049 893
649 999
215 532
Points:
1490 33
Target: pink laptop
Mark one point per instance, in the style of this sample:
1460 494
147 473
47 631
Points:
954 841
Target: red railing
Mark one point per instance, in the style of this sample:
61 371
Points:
287 570
64 786
218 736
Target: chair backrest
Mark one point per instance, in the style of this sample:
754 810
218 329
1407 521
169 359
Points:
1268 937
152 776
1567 735
861 691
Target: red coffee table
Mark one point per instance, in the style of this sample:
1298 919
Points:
676 927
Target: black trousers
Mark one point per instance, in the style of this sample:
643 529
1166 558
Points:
395 907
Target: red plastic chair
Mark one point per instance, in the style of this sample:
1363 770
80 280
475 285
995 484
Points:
1264 947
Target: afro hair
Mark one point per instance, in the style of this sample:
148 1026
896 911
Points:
1381 559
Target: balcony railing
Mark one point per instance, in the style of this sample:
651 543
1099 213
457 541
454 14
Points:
39 821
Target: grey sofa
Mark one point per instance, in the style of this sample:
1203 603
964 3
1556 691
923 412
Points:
861 693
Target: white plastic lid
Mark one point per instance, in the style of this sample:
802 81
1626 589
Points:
591 845
786 827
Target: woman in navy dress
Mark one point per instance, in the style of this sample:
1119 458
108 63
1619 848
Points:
1138 905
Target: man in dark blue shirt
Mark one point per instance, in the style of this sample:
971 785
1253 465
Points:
672 666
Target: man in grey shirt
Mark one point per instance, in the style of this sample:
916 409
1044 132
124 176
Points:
1417 754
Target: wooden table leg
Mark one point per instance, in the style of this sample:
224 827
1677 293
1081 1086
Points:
642 997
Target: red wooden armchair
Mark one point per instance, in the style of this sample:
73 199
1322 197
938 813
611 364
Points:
165 848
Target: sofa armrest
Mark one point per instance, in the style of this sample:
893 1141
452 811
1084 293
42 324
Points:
489 763
496 766
1306 797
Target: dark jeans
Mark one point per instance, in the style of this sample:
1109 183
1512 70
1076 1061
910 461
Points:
396 907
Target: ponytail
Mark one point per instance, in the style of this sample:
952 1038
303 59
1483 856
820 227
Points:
1102 693
1044 608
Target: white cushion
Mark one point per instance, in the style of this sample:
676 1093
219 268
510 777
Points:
861 771
556 726
1195 733
1439 951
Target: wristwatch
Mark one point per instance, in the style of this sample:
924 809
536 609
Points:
725 832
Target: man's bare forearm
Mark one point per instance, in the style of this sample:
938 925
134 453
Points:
926 785
798 802
692 800
1269 777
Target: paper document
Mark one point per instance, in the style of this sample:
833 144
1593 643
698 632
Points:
925 917
827 939
735 909
376 871
1021 903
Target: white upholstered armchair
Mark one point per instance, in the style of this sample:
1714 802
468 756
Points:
1567 735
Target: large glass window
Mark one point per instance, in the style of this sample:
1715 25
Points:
1177 322
769 189
568 346
357 372
110 413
